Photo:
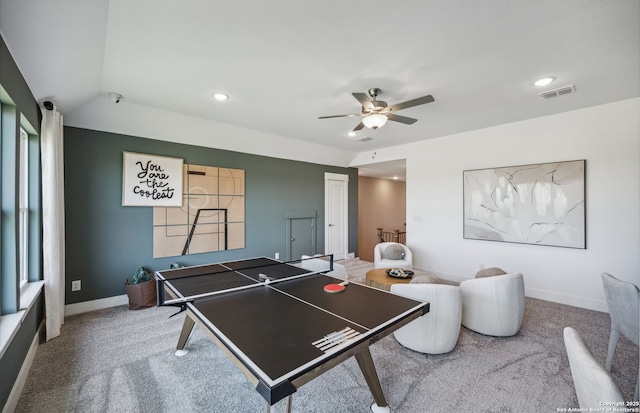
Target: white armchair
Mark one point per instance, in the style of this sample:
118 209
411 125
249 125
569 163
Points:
493 306
392 255
437 331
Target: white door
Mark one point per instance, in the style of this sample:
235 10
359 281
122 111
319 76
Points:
336 215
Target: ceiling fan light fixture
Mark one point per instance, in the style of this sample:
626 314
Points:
374 121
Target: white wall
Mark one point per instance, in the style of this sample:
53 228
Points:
137 120
607 136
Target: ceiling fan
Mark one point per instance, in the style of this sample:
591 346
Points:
375 113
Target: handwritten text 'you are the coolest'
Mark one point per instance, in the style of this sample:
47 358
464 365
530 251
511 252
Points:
153 182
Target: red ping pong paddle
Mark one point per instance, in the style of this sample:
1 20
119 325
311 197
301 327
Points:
336 288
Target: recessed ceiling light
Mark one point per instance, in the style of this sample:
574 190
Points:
544 81
352 134
220 96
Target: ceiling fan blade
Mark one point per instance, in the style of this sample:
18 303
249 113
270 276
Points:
360 126
401 119
411 103
364 100
339 116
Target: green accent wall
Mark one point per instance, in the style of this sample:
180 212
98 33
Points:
16 87
15 355
106 242
13 86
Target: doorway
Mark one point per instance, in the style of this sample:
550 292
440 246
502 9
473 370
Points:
381 203
336 215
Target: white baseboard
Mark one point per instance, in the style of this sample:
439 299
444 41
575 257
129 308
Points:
566 299
18 386
544 295
86 306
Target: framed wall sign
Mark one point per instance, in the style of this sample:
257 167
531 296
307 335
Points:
540 204
149 180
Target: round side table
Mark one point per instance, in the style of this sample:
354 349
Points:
378 278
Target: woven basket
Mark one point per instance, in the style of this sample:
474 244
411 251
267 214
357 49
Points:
141 295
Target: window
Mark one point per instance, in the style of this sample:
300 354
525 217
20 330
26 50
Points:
20 226
23 201
20 200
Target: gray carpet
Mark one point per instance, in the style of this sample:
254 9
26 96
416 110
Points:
116 360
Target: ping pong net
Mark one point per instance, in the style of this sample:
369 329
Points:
188 284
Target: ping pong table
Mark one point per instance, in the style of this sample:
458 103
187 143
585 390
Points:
274 320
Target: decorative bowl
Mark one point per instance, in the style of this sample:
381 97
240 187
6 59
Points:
399 273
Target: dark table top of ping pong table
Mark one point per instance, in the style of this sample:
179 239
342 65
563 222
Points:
286 327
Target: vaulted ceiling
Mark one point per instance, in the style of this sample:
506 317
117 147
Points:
284 63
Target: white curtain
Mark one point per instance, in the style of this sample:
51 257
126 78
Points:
51 146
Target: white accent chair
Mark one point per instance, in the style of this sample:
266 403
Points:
392 255
318 264
493 306
592 381
623 300
437 331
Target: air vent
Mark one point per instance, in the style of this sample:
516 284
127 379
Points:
558 92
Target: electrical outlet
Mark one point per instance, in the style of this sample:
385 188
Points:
277 255
76 285
481 267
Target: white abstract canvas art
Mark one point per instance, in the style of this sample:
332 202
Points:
541 204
